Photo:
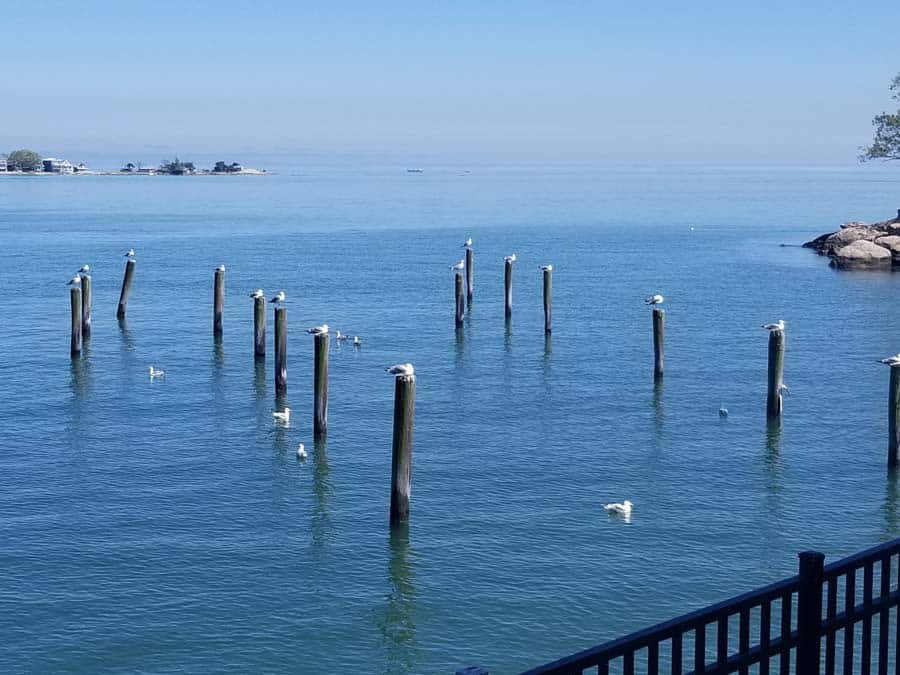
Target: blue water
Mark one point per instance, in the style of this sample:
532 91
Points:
168 526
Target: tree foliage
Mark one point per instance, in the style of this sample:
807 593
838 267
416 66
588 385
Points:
222 167
886 143
24 160
176 167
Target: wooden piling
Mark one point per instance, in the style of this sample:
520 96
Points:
320 385
776 374
75 300
460 299
218 302
401 455
548 299
86 305
280 349
259 326
470 282
659 335
894 418
126 288
507 285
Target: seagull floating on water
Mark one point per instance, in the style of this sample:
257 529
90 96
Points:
258 293
774 326
129 253
318 330
547 268
279 298
623 509
461 265
301 452
510 258
340 337
723 411
283 416
402 369
891 360
654 299
356 341
220 268
468 243
156 372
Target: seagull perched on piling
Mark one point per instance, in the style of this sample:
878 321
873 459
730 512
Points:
85 269
129 253
301 452
468 243
654 299
547 268
75 281
283 416
318 330
279 298
156 372
510 258
220 268
402 369
258 293
615 509
891 360
461 265
774 326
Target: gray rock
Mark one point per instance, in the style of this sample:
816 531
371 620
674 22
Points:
861 254
848 236
891 242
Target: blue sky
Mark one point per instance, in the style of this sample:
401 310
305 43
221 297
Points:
552 81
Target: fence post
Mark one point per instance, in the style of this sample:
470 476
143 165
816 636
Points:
809 612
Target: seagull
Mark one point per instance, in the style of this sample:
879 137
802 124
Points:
284 416
774 326
156 372
85 269
220 268
356 341
654 299
258 293
547 268
279 298
402 369
130 253
723 411
340 337
891 360
623 509
318 330
461 265
510 258
74 281
301 452
468 243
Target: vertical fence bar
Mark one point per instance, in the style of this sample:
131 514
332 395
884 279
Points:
722 639
865 649
259 326
126 288
218 302
677 653
653 658
809 611
744 636
776 374
700 648
831 638
785 661
765 635
628 663
280 349
850 611
86 305
75 302
894 418
884 629
320 385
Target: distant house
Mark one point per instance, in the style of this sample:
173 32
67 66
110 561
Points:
54 165
3 165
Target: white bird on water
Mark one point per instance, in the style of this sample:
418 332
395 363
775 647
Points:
318 330
301 452
510 258
654 299
357 342
129 253
774 326
461 265
402 369
279 298
220 268
258 293
283 416
156 372
85 269
340 337
547 268
468 243
723 411
891 360
75 281
616 509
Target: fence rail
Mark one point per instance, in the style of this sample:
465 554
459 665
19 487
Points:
812 623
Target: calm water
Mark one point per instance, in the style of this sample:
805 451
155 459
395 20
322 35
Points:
162 526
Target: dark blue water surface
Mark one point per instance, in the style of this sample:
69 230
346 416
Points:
168 526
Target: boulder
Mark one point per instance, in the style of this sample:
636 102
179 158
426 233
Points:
861 254
847 236
854 223
891 243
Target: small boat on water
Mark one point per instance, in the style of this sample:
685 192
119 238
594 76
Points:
414 171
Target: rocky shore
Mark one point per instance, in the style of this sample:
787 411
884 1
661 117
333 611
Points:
859 245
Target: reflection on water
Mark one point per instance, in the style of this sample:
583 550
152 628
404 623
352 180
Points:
259 377
773 441
127 336
460 344
659 412
321 516
81 369
507 336
891 504
397 621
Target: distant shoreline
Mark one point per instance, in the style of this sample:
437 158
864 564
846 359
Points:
244 172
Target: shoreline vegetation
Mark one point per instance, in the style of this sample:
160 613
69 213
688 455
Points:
27 162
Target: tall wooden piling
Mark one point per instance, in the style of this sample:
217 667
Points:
507 287
776 374
259 326
659 336
280 349
126 288
401 455
460 299
470 272
894 418
86 305
320 385
75 300
218 302
548 298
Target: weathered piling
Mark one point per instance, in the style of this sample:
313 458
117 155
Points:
470 271
280 349
320 385
126 288
75 300
218 302
548 297
776 374
259 326
894 418
460 299
401 455
86 305
507 286
659 335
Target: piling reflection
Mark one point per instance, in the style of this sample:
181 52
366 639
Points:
321 483
125 333
397 623
891 505
659 411
80 369
259 378
459 344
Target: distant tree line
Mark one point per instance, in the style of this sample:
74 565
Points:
24 160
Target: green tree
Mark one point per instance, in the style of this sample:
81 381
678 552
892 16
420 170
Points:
886 144
24 160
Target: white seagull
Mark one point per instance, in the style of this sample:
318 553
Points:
318 330
402 369
723 411
156 372
301 452
461 265
510 258
74 281
623 509
654 299
279 298
220 268
547 268
129 253
340 337
774 326
258 293
85 269
468 243
891 360
283 416
356 341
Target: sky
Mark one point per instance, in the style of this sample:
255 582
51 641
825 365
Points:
552 81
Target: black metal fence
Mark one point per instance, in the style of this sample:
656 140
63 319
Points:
826 617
